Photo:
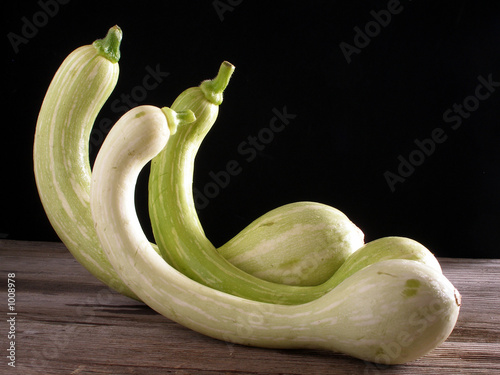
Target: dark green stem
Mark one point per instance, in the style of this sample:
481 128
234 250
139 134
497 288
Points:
109 46
214 88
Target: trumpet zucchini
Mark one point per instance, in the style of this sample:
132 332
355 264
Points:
393 311
176 227
182 242
79 89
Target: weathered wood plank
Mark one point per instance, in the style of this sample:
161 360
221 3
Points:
69 323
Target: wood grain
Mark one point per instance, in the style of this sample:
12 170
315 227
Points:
67 322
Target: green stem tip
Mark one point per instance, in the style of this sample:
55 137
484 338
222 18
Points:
176 119
214 88
109 46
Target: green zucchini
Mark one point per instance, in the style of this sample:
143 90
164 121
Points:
79 89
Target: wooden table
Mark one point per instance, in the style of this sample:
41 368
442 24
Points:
67 322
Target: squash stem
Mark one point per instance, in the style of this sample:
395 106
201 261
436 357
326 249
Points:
109 46
214 88
176 119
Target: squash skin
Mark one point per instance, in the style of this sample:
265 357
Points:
390 312
79 89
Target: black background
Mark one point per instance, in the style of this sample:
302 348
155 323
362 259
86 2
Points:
352 122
